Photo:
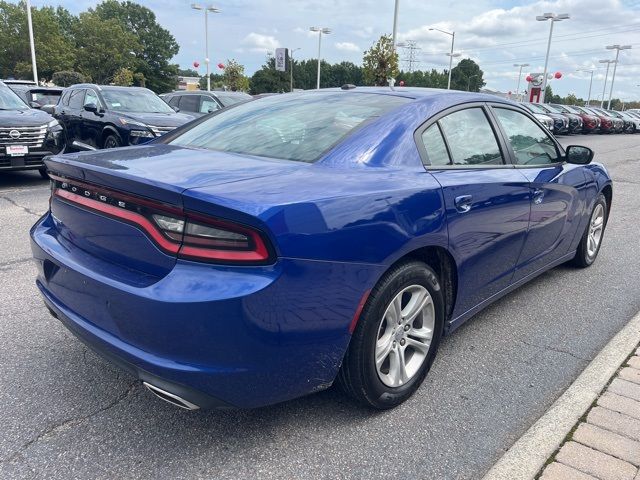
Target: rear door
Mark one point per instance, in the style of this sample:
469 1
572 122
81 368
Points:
487 200
557 189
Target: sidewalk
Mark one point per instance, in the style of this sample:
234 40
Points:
606 443
592 431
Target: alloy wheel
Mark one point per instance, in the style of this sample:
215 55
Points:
404 336
596 228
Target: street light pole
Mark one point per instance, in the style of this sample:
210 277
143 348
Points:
450 54
32 43
521 65
196 6
617 48
606 77
469 81
291 67
395 24
554 18
590 84
320 31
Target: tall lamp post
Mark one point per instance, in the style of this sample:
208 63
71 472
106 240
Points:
590 83
320 31
617 48
291 67
606 77
521 65
554 18
206 9
32 44
450 54
395 24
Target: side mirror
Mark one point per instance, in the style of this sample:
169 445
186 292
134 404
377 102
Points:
211 110
35 105
91 107
579 155
50 109
175 109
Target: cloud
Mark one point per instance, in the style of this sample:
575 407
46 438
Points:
347 47
256 42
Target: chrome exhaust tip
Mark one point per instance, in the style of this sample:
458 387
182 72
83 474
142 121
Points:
170 397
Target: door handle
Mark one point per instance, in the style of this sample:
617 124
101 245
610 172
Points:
463 203
538 196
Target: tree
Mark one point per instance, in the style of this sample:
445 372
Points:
268 79
157 45
67 78
467 75
380 62
104 47
234 77
123 77
187 73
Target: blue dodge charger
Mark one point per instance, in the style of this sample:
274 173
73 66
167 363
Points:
274 248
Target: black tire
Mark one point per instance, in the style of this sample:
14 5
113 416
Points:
43 173
112 141
583 259
358 375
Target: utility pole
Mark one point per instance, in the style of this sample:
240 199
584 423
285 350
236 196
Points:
196 6
320 31
395 24
554 18
410 59
617 48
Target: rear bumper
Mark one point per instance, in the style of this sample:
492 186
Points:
216 336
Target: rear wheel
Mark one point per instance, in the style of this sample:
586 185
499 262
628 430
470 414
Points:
112 141
592 238
396 339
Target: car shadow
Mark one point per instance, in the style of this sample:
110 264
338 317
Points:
21 179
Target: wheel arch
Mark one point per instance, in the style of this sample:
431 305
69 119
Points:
446 268
607 191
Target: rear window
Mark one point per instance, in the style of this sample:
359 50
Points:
291 126
228 100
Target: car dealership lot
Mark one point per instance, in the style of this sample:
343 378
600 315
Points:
68 414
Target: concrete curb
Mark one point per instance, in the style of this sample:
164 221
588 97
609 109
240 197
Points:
531 451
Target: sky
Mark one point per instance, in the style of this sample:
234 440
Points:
495 33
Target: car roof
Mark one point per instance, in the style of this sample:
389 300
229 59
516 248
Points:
106 87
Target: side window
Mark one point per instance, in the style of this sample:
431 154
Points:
75 99
208 105
173 101
435 147
189 103
91 97
470 138
65 98
531 144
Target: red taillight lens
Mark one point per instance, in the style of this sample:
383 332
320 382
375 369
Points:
185 234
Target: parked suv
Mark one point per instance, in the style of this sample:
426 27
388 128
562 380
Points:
27 135
95 116
44 98
201 102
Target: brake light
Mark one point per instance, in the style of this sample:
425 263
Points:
185 234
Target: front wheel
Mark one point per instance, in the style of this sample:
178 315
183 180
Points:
396 338
592 238
112 141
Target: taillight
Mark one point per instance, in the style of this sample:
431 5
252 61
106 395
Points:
186 234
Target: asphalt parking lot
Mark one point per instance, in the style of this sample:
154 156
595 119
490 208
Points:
68 414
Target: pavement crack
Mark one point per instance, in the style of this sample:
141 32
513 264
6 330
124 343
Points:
18 261
52 429
555 349
16 204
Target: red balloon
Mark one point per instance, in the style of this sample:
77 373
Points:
558 75
196 64
221 66
402 83
528 78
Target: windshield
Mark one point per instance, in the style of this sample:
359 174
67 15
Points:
551 109
228 100
135 101
46 98
572 109
290 126
9 100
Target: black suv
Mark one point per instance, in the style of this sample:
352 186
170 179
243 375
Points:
95 116
200 103
27 135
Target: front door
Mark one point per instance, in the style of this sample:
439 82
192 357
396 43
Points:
557 190
487 202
